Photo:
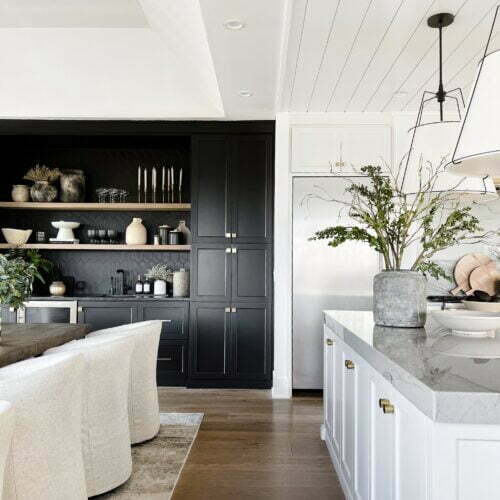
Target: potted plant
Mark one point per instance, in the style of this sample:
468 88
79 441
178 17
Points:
160 274
16 279
42 176
392 222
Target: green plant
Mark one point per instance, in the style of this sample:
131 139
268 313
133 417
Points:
16 278
159 272
391 221
42 173
42 265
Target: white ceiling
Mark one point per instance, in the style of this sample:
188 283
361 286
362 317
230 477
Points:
346 55
173 59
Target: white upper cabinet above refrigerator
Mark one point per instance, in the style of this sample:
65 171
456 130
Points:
339 148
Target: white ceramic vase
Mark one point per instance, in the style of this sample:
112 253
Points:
136 233
186 232
160 287
20 193
181 283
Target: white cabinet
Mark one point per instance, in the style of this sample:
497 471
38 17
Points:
379 442
337 148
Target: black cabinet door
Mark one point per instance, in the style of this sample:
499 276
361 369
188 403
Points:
251 341
209 340
211 272
9 314
171 365
99 315
251 189
251 273
210 188
174 316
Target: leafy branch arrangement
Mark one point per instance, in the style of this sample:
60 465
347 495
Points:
42 173
159 272
390 221
16 278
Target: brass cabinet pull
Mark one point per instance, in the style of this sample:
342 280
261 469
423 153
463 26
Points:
389 408
382 402
329 342
228 250
233 309
233 235
349 364
234 250
227 310
228 235
165 359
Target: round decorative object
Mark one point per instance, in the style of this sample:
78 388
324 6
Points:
43 191
20 193
185 232
65 232
399 299
466 323
160 287
16 236
57 288
72 186
181 283
136 233
174 237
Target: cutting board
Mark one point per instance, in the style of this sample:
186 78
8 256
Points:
464 268
484 278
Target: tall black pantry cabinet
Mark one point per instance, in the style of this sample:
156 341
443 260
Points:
231 338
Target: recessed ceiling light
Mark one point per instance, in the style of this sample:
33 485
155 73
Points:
245 93
233 24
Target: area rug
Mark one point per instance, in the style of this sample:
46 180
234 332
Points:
157 464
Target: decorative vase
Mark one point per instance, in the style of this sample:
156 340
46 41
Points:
136 233
20 192
57 288
43 191
72 186
181 283
160 287
399 299
186 232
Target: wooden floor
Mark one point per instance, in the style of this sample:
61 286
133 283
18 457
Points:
253 447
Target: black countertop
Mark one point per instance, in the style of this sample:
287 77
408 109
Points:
114 298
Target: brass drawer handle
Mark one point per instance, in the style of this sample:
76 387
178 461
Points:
228 235
165 359
389 408
349 364
233 235
329 342
382 402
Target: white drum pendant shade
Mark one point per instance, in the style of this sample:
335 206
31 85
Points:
478 147
434 143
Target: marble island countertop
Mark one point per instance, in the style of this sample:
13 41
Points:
450 379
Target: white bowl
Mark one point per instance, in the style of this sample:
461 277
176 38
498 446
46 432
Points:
16 236
468 323
476 305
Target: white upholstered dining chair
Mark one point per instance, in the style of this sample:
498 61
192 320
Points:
45 458
6 428
105 433
144 413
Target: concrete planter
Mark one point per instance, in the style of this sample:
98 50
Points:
399 299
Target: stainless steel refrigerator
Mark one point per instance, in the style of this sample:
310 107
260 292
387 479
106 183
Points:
323 277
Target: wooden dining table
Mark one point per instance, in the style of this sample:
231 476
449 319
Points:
23 341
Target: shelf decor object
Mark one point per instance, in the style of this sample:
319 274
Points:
434 140
98 246
136 233
42 189
477 150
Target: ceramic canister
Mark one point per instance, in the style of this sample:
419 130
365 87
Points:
181 283
20 193
57 288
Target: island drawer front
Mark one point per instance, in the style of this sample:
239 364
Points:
171 364
174 318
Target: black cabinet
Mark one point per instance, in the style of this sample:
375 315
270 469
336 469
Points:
209 340
232 189
171 367
174 316
236 272
106 314
9 314
231 344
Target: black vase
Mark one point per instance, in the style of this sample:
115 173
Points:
72 186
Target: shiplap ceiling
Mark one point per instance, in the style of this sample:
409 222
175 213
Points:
378 55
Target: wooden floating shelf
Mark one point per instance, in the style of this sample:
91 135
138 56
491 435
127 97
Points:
91 246
98 207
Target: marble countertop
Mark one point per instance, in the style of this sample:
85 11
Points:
450 379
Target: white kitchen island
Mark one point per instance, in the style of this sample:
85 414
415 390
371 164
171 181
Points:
411 414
